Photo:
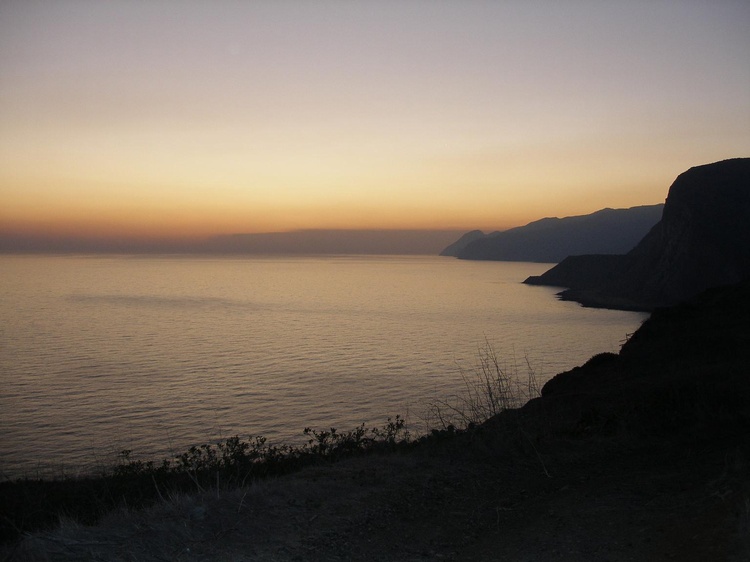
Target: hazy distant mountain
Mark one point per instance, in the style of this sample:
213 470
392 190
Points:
331 242
702 241
395 242
459 245
550 240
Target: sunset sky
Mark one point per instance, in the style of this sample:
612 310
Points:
185 118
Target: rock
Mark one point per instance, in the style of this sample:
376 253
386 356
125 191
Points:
702 241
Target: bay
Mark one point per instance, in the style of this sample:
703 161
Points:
157 353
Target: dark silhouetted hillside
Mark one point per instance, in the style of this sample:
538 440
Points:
702 241
550 240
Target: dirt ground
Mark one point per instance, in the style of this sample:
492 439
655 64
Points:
450 502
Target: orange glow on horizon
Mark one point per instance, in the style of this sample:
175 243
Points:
118 225
97 219
120 120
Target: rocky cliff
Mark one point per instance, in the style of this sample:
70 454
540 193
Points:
702 241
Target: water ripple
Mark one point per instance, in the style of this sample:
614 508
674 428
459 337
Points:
99 355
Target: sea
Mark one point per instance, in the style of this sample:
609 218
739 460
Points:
154 354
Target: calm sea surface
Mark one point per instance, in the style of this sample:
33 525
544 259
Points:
154 354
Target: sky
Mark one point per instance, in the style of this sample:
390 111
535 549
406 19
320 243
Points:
186 119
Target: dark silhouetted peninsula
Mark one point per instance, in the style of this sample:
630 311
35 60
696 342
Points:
702 241
550 240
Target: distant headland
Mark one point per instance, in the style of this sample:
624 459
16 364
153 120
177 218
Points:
551 240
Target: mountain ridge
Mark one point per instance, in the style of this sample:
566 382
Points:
552 239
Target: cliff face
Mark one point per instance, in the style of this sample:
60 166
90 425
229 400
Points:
550 240
702 241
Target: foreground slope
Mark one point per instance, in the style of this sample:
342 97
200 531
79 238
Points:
641 455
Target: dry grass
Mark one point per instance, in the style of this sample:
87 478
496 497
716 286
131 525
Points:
490 388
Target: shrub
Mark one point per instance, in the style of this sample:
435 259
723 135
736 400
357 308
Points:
489 389
29 505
